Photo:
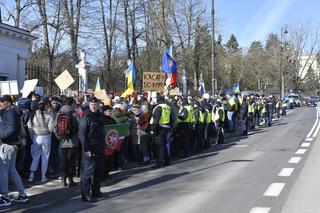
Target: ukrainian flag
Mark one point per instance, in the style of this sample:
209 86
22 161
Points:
131 80
131 75
236 88
98 87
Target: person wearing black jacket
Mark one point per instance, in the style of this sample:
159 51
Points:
91 136
161 123
244 116
185 127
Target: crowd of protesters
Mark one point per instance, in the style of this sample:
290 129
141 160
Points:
66 134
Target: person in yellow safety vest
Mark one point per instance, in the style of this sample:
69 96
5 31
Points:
284 107
278 107
251 111
291 102
207 123
199 125
219 118
259 106
185 125
230 112
161 122
264 109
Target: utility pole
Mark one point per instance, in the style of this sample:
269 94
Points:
213 80
284 30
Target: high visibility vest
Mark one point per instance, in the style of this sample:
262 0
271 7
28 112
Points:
201 117
291 100
240 101
284 104
278 104
165 115
209 115
190 117
263 109
216 114
251 108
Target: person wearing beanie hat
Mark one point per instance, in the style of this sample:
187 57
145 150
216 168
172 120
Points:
91 135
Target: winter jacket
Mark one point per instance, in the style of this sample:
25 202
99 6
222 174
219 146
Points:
10 127
73 142
41 125
91 133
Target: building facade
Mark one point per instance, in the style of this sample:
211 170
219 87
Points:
307 62
13 53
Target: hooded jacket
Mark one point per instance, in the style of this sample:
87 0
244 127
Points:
10 127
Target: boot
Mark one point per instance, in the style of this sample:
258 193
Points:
64 182
71 182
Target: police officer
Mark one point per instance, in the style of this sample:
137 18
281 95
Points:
251 111
185 122
219 118
91 135
278 107
198 126
284 107
161 121
244 115
269 109
207 122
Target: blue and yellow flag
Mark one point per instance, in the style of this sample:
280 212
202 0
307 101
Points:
98 87
236 88
131 75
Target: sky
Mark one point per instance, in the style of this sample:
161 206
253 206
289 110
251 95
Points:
251 20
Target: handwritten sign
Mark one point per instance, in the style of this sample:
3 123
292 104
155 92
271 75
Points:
153 81
64 80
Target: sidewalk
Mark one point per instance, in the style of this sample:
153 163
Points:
304 195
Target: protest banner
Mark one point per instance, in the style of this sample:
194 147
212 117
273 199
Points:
101 94
114 135
175 92
153 81
9 88
29 86
64 80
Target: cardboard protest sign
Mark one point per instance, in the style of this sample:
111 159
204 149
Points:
175 91
9 88
29 86
101 94
153 81
64 80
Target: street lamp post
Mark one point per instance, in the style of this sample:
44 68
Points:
284 30
213 80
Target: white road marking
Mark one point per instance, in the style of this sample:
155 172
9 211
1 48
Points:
318 128
260 210
301 151
309 139
286 172
314 125
294 160
305 144
274 190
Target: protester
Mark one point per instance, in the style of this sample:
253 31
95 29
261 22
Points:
9 140
40 126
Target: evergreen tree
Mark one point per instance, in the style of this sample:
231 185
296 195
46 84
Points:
232 45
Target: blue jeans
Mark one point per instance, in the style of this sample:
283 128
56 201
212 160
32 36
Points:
8 154
91 170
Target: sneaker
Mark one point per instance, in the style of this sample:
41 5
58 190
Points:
22 198
4 201
31 179
44 180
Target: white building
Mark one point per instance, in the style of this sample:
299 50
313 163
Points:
307 61
13 53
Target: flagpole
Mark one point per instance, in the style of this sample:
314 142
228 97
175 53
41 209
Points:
213 50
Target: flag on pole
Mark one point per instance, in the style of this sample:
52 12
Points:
131 75
202 89
169 66
98 87
236 88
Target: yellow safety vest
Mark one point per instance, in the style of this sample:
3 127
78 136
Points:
201 117
284 104
209 115
251 108
278 104
216 115
165 115
190 117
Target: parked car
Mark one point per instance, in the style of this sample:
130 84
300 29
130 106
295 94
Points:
312 102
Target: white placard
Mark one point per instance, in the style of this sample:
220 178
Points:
29 86
64 80
9 88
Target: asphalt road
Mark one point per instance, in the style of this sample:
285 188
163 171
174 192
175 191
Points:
247 174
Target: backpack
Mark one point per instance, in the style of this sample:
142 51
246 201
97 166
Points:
65 127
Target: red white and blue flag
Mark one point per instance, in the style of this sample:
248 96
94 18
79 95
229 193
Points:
169 66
